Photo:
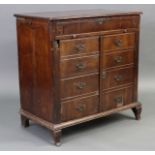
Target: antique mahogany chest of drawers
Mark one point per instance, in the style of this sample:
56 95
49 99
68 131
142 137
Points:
77 66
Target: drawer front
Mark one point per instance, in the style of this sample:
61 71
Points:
79 108
96 24
118 59
79 46
117 98
119 41
78 66
79 86
117 77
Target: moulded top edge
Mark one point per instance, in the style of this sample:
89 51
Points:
75 14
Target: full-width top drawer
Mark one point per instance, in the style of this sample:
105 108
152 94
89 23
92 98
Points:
79 46
118 41
87 25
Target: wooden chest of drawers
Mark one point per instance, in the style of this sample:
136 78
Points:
77 66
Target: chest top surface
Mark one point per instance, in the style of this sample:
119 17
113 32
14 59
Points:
76 14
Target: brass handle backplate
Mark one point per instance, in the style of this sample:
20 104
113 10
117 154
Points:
81 108
118 78
79 48
118 42
118 100
81 85
118 59
80 66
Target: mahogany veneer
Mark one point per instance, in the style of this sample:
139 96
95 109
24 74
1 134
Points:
77 66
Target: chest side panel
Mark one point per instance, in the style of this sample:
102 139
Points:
35 67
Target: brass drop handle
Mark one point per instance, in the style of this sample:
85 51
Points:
118 78
118 59
118 42
79 48
81 108
100 21
118 99
81 85
80 66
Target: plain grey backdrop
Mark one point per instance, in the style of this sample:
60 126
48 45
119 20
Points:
116 132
